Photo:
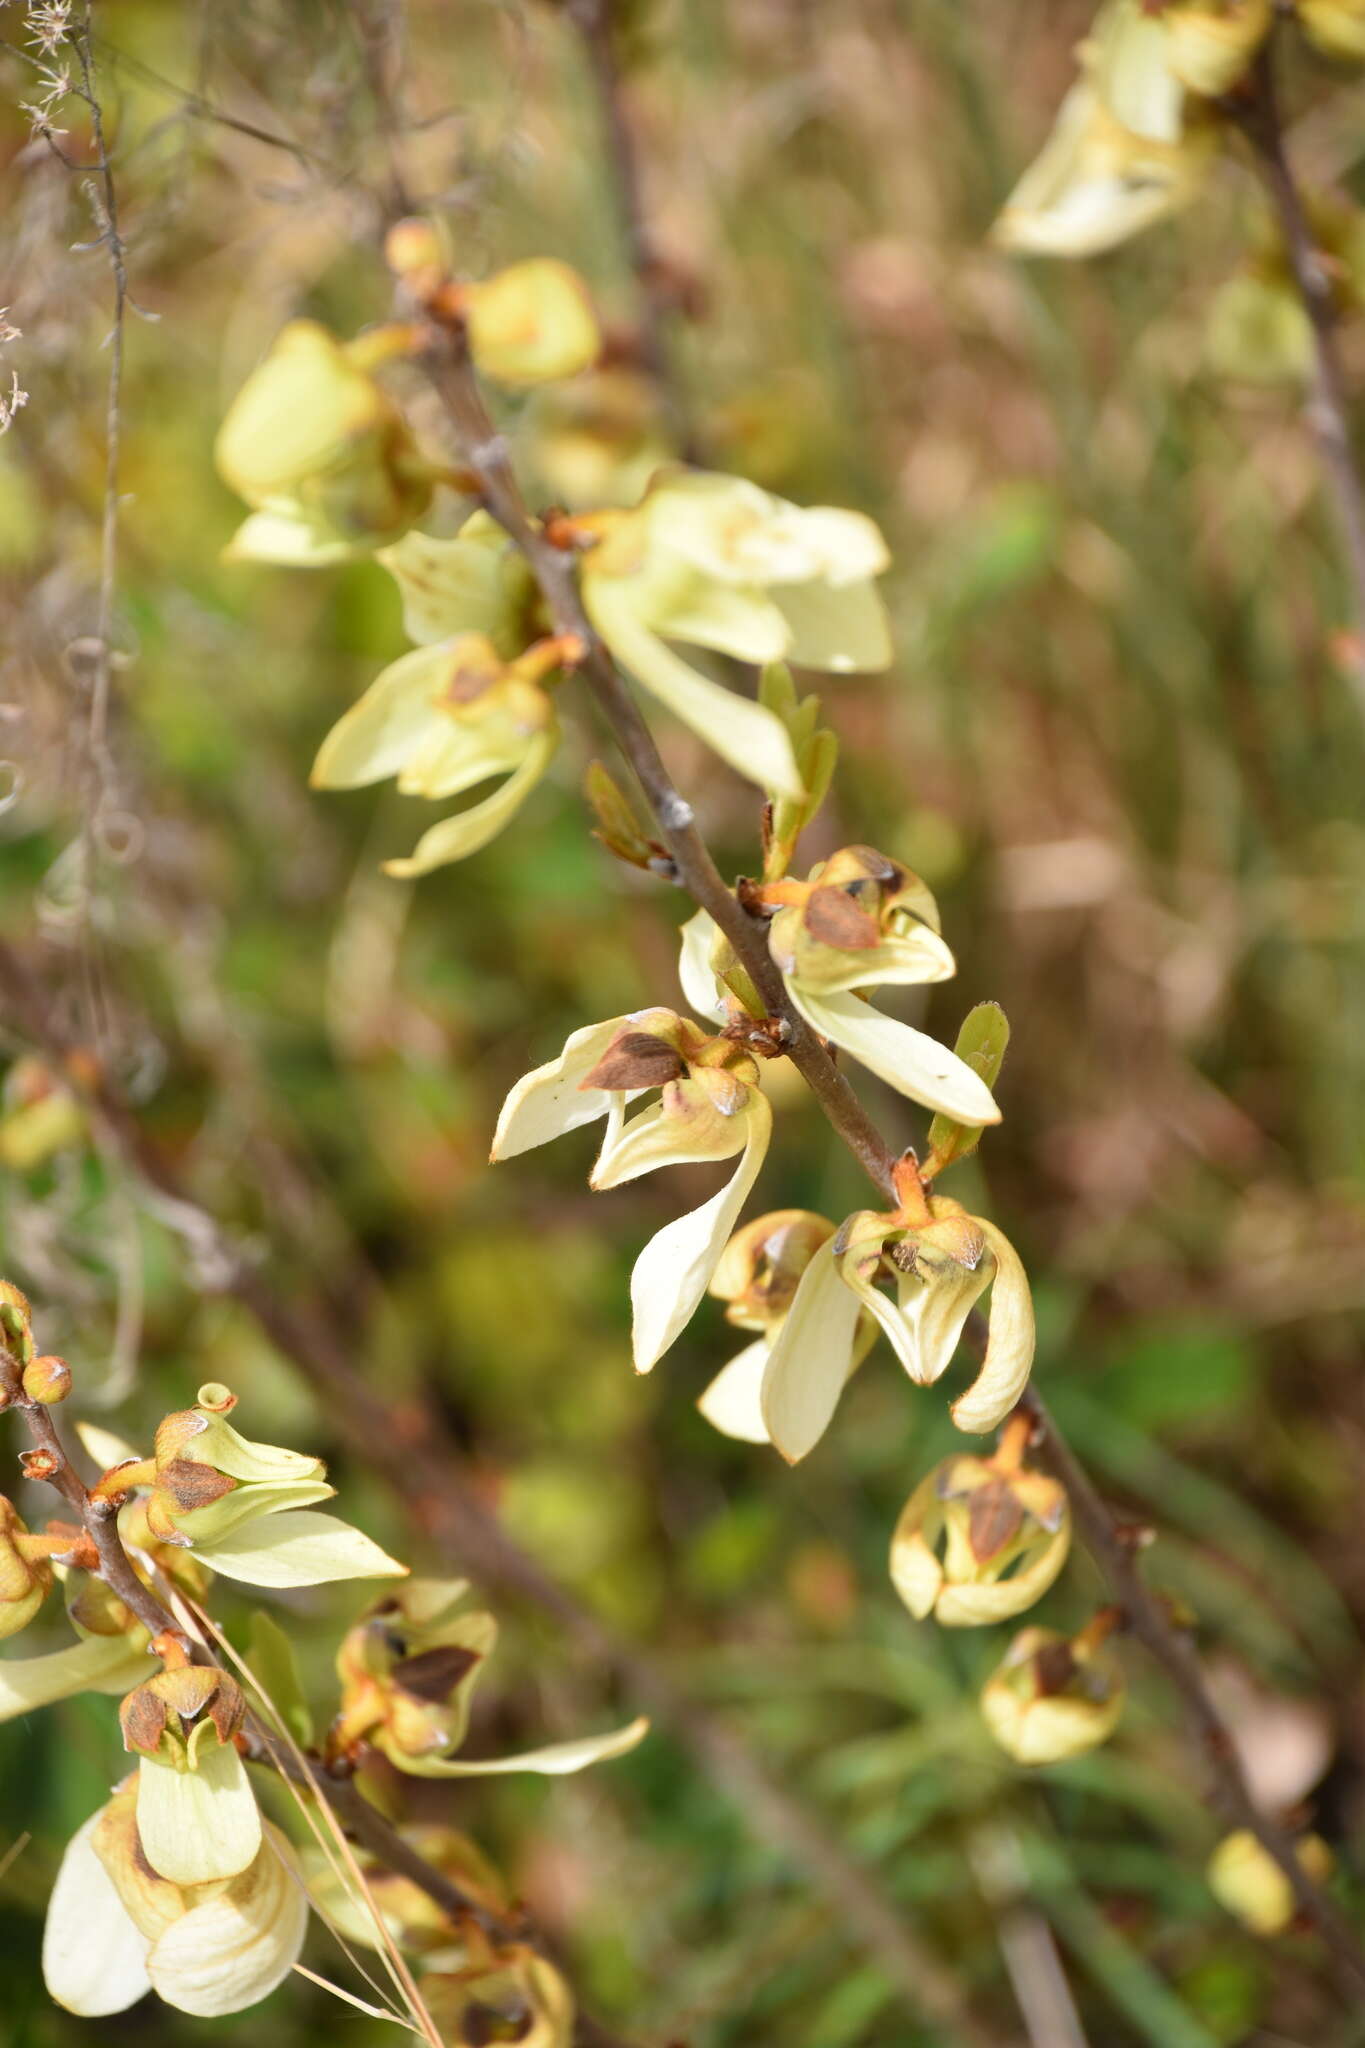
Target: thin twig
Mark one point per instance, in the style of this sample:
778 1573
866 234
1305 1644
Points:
1256 111
448 364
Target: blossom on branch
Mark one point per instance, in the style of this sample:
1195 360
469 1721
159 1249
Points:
710 1107
715 562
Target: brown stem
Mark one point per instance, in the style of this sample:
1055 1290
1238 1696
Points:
1256 111
412 1448
358 1817
1147 1618
448 365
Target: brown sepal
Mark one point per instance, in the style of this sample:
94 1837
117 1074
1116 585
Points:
994 1518
433 1675
636 1059
834 919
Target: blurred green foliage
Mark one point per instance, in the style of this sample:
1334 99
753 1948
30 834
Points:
1122 741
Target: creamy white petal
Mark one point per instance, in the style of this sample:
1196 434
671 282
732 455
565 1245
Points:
555 1760
249 1504
94 1959
470 831
657 1138
98 1664
297 1549
549 1101
695 977
383 727
743 620
289 540
934 1309
231 1951
672 1272
198 1825
750 738
811 1357
907 1060
475 583
1009 1345
731 1403
841 630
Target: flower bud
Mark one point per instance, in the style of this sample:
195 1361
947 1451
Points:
532 323
1210 43
1246 1879
24 1581
15 1322
1051 1698
47 1379
414 251
989 1517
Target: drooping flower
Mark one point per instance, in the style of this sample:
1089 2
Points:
1053 1697
858 921
116 1929
197 1817
710 1108
758 1276
321 452
469 704
408 1670
715 562
238 1505
940 1261
1245 1879
1124 151
980 1539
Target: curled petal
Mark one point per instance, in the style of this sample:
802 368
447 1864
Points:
934 1306
687 1128
230 1951
198 1825
750 738
94 1959
907 1060
812 1356
1009 1345
673 1271
695 974
555 1760
470 831
550 1100
731 1403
